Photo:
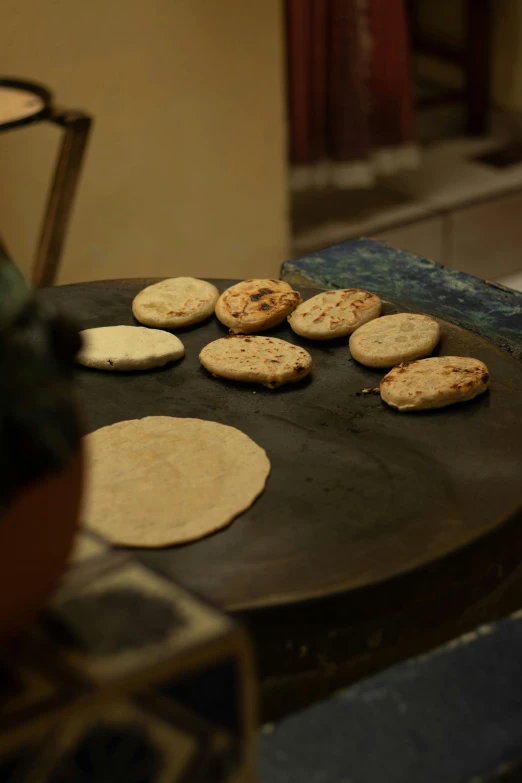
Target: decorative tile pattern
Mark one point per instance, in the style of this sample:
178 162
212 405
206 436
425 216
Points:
86 547
116 743
90 694
23 689
30 695
127 620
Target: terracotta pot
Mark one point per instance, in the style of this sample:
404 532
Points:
36 537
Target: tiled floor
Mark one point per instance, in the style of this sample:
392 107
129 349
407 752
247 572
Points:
453 209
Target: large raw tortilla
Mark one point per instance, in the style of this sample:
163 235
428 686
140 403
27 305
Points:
160 481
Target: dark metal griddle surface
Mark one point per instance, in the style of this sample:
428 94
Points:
358 493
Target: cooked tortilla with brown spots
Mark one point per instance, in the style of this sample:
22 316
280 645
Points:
174 303
334 314
256 305
434 382
265 360
394 338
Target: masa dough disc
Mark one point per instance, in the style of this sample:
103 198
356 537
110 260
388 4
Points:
128 348
160 481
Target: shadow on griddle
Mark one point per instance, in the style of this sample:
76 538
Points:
257 387
178 330
130 373
456 410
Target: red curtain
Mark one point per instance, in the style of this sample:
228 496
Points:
349 82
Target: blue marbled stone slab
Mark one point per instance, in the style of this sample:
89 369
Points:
486 308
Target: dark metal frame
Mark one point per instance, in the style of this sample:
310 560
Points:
76 126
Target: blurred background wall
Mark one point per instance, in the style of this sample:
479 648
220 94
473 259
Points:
444 19
186 170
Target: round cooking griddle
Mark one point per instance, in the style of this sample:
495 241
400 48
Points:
22 103
358 494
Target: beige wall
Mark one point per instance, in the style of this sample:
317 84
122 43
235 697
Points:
186 169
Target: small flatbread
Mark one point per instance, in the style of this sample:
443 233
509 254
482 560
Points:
256 305
334 314
161 481
434 383
394 338
173 303
265 360
128 348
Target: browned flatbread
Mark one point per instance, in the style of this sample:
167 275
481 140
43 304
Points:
395 338
265 360
332 314
174 303
434 383
256 305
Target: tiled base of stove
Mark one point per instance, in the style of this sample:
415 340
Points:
127 678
